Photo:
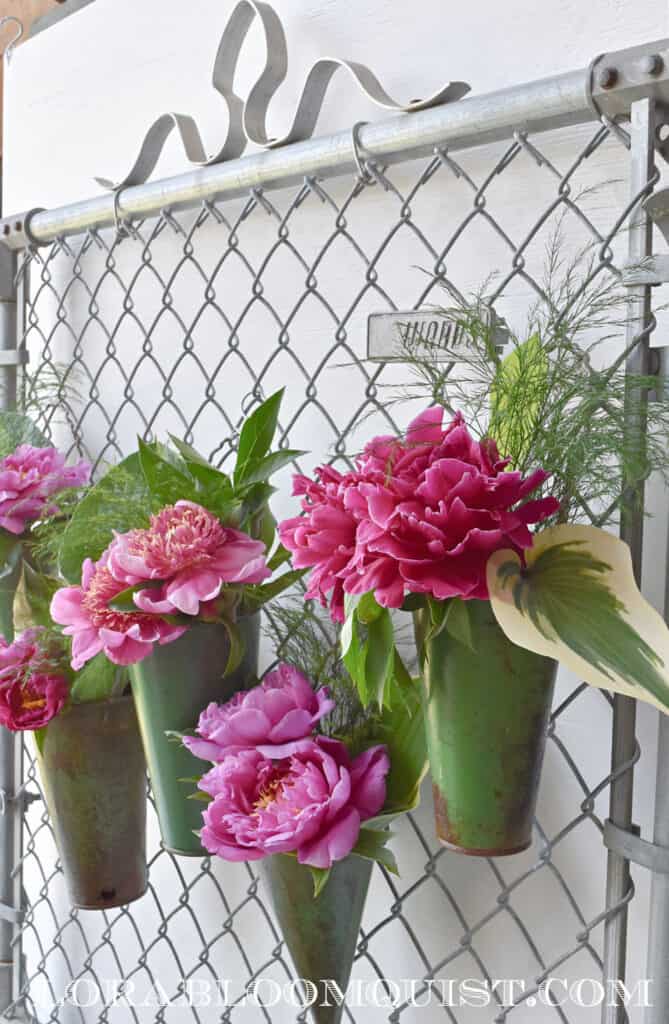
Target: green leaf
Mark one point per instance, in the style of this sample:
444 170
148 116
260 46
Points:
458 623
576 600
16 429
320 878
279 558
262 469
401 728
371 845
119 501
40 736
254 499
38 590
439 611
368 609
380 660
236 646
124 601
354 658
190 456
413 603
256 436
257 596
98 680
517 397
166 475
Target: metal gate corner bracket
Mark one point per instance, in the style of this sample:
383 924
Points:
632 847
619 78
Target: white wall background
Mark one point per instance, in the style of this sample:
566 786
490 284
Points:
78 100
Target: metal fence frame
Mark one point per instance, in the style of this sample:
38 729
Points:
638 94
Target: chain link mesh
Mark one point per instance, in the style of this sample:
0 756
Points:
183 324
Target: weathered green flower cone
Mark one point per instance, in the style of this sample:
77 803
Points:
487 713
94 779
322 933
171 687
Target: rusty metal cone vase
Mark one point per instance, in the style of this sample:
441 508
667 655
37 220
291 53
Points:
94 779
171 687
487 713
321 932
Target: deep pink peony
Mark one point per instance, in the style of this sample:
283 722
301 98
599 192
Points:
29 478
188 549
124 637
312 802
282 710
325 538
30 694
420 515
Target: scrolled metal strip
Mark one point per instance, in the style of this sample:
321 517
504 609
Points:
247 119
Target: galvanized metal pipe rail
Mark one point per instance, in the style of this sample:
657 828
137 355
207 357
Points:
608 87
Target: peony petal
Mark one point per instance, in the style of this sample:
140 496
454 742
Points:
335 844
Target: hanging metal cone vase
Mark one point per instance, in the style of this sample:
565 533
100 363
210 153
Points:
321 933
94 778
487 713
171 687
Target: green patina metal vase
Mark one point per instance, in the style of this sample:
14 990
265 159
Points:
94 778
171 687
321 933
487 713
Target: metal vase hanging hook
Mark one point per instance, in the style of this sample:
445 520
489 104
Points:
9 48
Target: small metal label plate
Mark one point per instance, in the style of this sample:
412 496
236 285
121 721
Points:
394 337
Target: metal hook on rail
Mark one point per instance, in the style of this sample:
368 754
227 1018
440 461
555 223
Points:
9 48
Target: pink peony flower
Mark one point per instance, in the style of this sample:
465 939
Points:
282 710
325 538
84 611
188 549
30 694
421 515
29 478
311 802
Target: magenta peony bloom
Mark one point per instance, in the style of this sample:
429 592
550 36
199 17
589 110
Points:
84 611
282 710
311 802
419 515
325 538
29 478
188 549
30 695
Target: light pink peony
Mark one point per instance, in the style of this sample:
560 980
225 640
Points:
282 710
418 515
312 802
29 478
188 549
30 693
124 637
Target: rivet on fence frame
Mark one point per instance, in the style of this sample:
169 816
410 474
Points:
607 77
652 64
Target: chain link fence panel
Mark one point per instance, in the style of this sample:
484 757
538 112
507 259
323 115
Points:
181 324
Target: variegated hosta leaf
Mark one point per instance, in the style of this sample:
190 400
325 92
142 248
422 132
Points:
577 601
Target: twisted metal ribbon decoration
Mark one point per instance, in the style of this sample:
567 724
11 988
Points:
247 118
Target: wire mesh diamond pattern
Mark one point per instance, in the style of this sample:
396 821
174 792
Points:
182 324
